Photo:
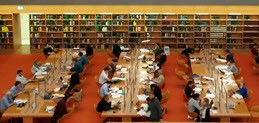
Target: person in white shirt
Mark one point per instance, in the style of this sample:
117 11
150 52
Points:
35 67
104 75
159 78
21 78
232 67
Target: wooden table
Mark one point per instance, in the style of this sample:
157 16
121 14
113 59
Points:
29 114
131 86
223 112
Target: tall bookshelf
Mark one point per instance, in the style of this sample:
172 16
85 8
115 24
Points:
6 31
102 30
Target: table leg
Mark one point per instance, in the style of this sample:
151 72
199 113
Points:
28 120
225 119
126 119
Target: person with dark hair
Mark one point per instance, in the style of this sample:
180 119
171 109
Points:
158 78
113 65
48 49
104 104
189 89
193 104
78 66
154 108
83 59
254 49
205 113
187 52
16 89
60 109
116 50
89 50
162 59
70 93
257 59
104 75
105 89
74 80
158 49
232 67
229 55
35 67
21 78
6 101
156 91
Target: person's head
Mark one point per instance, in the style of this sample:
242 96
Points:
106 98
114 61
190 83
159 72
72 70
18 84
56 99
196 96
158 44
8 94
206 102
227 51
19 72
47 44
229 62
75 57
107 69
36 63
154 87
151 95
162 52
88 45
80 54
241 84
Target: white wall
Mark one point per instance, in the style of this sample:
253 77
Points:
25 28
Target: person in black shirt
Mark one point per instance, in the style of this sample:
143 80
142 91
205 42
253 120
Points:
162 59
205 114
189 89
229 56
257 59
104 104
154 108
116 50
89 50
187 52
59 110
48 49
157 91
74 80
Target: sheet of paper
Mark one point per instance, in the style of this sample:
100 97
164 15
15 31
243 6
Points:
237 96
141 57
144 50
56 89
115 95
210 96
208 78
142 97
221 60
58 95
114 89
118 78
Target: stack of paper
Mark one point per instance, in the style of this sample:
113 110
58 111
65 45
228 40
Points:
123 53
118 78
142 97
58 95
221 67
194 60
149 62
237 96
197 90
118 66
144 50
210 96
50 109
56 89
141 57
18 101
114 89
213 111
115 95
221 60
208 78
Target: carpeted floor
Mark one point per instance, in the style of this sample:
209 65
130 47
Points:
86 114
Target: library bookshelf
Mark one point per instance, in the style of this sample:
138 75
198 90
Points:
102 30
6 31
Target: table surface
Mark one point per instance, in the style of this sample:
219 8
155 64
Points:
202 68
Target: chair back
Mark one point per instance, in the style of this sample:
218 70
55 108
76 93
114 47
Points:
192 114
71 101
70 110
165 97
240 80
78 95
250 92
98 113
97 81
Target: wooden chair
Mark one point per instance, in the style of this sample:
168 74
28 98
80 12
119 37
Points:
192 114
72 101
239 73
165 97
70 110
254 111
79 95
97 81
250 92
238 81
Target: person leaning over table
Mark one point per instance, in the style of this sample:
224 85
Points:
189 89
6 101
254 50
187 52
60 109
229 55
162 59
89 50
16 89
232 67
116 50
113 65
48 49
194 105
205 112
158 78
242 90
74 80
35 67
104 75
83 58
78 64
156 91
104 104
257 59
21 78
105 89
154 108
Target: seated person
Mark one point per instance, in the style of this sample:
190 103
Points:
21 78
78 66
193 104
70 93
254 50
158 49
104 104
60 109
154 108
35 67
83 58
105 89
48 49
232 67
74 80
189 89
257 59
89 50
187 52
156 91
104 75
159 78
116 50
229 55
205 113
16 89
6 101
242 90
113 65
162 59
